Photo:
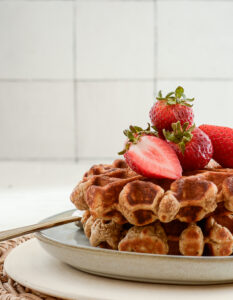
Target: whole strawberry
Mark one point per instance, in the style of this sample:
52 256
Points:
222 140
192 146
149 155
170 109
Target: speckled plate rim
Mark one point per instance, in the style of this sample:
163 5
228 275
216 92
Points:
41 235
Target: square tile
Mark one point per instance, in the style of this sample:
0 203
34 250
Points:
36 39
36 120
195 39
213 99
115 39
105 109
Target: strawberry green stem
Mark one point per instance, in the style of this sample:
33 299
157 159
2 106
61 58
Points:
134 133
179 135
177 97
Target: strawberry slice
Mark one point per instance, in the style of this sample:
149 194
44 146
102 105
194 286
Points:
149 155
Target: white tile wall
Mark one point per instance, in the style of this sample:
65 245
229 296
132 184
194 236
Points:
195 39
105 109
115 39
74 74
36 39
36 120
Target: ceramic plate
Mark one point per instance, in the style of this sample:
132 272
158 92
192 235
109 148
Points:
45 274
69 244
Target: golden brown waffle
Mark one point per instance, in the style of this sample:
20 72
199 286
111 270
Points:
219 239
189 199
220 178
139 201
173 231
105 231
191 242
115 192
145 239
172 238
105 168
227 192
183 238
225 221
176 238
99 193
105 234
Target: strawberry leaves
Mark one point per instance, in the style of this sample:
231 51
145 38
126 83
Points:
134 133
179 92
176 97
179 135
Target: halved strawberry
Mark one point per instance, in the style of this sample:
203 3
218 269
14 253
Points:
149 155
192 146
222 140
170 109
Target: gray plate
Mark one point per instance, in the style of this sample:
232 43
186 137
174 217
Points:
69 244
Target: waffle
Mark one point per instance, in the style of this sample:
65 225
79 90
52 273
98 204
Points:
145 239
220 178
118 194
105 168
106 234
100 188
197 195
189 199
227 192
219 241
184 239
139 201
178 239
173 231
115 192
174 238
191 241
225 220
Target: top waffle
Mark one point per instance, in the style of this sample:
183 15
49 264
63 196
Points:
115 192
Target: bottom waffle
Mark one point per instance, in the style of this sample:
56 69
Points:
213 236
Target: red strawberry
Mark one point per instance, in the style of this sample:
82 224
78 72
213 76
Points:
192 146
222 140
149 155
174 107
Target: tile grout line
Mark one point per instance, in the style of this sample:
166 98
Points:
113 79
73 79
52 159
155 36
112 0
109 80
75 83
37 159
29 80
73 0
220 79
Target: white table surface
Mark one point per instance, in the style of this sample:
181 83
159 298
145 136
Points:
31 191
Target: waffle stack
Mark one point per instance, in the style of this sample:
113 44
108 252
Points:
127 212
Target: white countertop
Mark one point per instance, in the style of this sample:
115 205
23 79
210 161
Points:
31 191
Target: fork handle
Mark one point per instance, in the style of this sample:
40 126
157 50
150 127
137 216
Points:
16 232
